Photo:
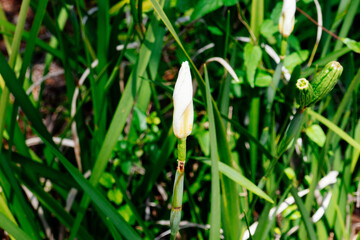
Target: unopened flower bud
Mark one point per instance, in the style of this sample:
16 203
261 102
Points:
287 17
183 103
326 80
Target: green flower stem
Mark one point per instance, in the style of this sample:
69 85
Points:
175 215
284 43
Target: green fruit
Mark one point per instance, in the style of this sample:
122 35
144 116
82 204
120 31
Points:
304 92
325 80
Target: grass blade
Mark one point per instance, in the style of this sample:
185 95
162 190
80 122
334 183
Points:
335 129
98 199
215 216
12 229
241 180
304 215
119 119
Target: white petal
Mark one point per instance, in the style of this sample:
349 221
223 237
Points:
287 18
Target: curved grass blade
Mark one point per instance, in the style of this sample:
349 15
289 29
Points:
9 29
241 180
12 229
244 131
15 196
215 215
40 11
304 215
55 208
119 119
22 210
335 129
13 84
98 199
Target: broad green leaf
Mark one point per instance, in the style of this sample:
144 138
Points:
316 134
127 213
215 30
268 28
241 180
296 58
252 57
204 7
290 173
263 79
115 195
107 180
139 119
203 138
352 44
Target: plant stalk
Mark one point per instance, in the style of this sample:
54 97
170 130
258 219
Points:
175 215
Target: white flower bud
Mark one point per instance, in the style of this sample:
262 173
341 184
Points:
183 103
287 18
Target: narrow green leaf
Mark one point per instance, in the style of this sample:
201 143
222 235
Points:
4 209
245 132
215 186
335 129
256 17
292 131
241 180
353 9
271 90
304 215
352 44
12 229
119 119
98 199
54 207
23 100
39 15
26 36
356 153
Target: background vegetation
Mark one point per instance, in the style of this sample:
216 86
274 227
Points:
88 150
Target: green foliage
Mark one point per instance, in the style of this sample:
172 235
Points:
87 146
252 57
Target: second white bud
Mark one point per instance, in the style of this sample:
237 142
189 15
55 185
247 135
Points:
287 18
